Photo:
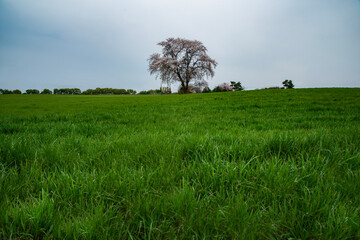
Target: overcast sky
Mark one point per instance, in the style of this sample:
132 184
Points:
106 43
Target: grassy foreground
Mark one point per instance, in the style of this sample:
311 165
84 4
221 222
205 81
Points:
267 164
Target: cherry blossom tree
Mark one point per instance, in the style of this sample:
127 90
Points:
183 61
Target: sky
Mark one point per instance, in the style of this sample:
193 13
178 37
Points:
92 43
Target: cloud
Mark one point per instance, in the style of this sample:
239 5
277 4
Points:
83 43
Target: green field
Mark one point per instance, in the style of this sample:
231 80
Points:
262 164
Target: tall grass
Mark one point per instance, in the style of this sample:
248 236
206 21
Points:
269 164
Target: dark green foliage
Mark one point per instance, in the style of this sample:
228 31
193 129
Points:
109 91
46 91
32 91
5 91
288 84
238 165
274 87
67 91
16 91
150 92
206 90
131 91
236 86
217 89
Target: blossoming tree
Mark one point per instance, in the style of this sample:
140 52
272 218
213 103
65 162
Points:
183 61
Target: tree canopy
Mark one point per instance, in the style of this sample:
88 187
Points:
288 84
183 61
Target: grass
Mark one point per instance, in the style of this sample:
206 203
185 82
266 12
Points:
266 164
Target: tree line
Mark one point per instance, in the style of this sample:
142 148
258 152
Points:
196 88
73 91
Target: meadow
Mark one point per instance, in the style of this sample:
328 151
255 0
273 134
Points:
261 164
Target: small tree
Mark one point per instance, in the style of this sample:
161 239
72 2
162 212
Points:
182 61
288 84
206 90
32 91
236 86
16 91
46 91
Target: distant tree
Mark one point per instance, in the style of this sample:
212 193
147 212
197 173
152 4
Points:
46 91
16 91
183 61
131 91
6 91
225 87
154 92
32 91
108 91
67 91
206 90
150 92
122 91
236 86
288 84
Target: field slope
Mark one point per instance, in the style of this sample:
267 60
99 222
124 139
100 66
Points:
266 164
